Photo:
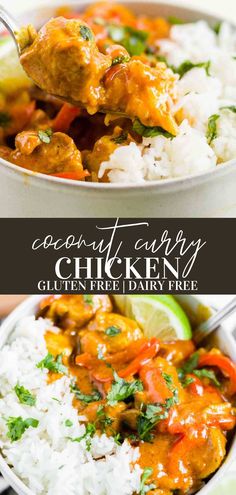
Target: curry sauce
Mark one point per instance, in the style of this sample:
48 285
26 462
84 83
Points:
173 401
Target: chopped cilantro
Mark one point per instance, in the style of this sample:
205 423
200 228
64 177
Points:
189 366
5 119
112 331
145 131
186 381
45 136
188 65
153 414
103 419
53 364
212 128
88 299
17 426
217 27
121 389
210 374
120 59
86 33
232 108
134 40
86 398
90 430
121 138
175 20
144 488
68 423
25 396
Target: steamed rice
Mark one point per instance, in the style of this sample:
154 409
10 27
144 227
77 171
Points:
45 458
199 96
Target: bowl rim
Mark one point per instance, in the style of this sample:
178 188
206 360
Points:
163 185
28 306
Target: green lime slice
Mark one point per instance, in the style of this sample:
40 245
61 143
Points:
158 315
12 76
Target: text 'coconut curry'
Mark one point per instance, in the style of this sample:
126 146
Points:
106 62
173 401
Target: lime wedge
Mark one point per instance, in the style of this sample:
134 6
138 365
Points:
12 76
158 315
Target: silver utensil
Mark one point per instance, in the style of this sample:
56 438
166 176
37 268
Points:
11 25
13 28
210 325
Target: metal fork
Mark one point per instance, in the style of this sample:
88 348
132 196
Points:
210 325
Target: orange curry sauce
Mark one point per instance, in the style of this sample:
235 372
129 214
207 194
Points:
107 60
173 401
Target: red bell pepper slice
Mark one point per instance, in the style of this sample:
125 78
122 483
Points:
72 175
65 117
225 365
149 351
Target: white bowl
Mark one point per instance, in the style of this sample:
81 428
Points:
28 194
222 339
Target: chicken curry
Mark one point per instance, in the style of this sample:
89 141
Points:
173 401
106 63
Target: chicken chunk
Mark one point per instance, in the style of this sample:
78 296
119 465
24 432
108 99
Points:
64 60
109 332
45 153
75 311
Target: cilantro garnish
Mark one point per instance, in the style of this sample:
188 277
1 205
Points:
144 488
45 136
121 138
17 426
86 33
210 374
68 423
232 108
175 20
145 131
53 364
112 331
88 299
120 59
212 128
154 413
90 430
5 119
86 398
25 396
134 40
188 65
121 389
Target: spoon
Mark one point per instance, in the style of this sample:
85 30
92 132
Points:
14 29
11 25
211 325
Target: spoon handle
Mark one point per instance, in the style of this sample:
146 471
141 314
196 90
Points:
10 24
214 322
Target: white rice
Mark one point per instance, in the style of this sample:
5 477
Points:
45 458
199 97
